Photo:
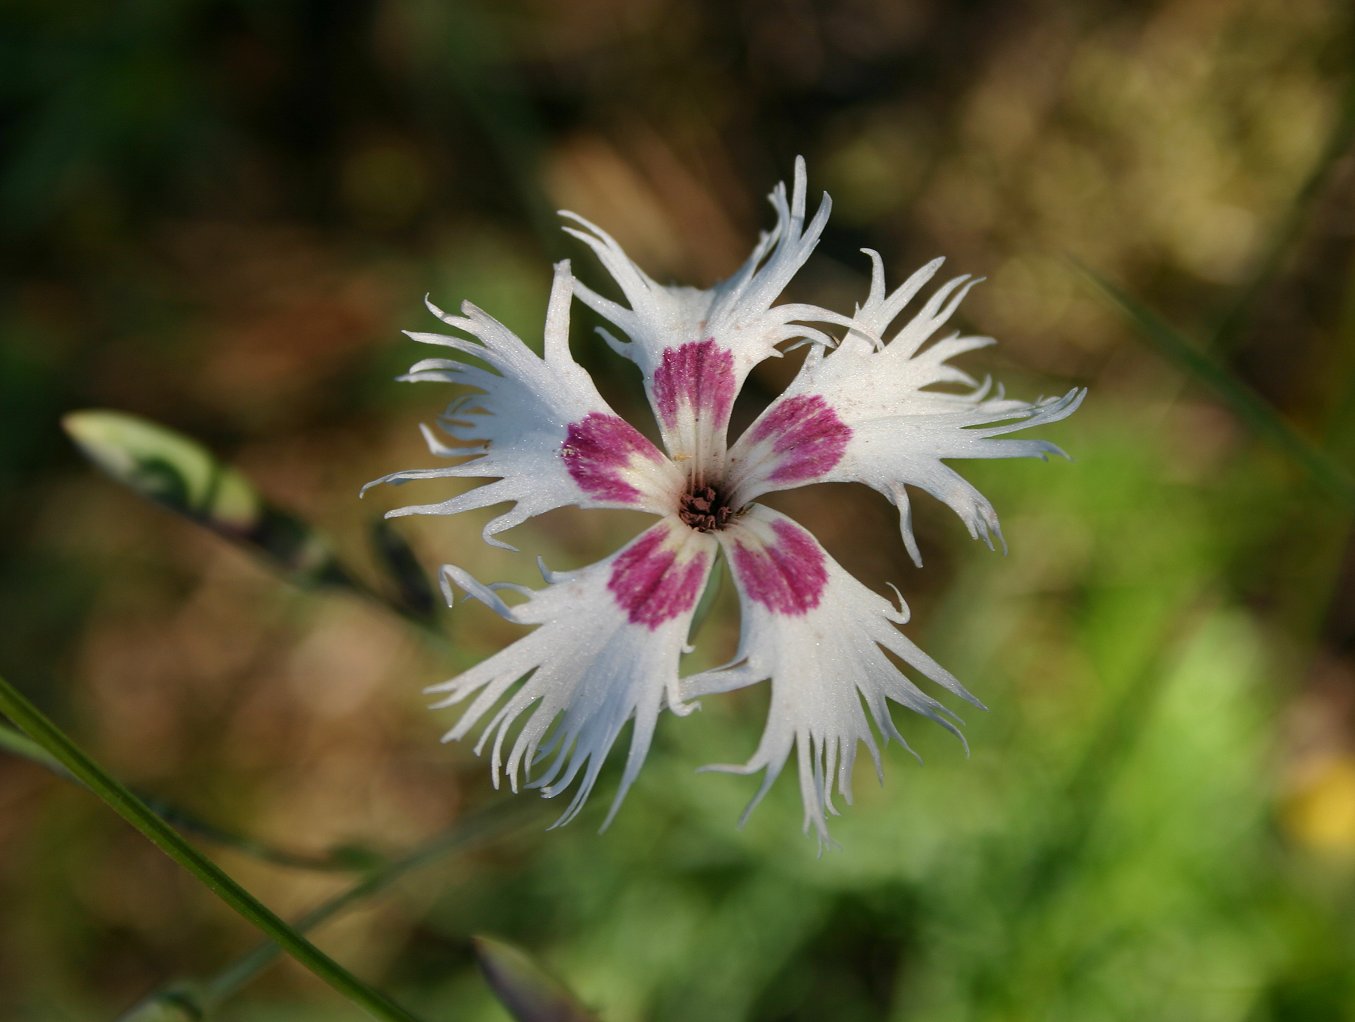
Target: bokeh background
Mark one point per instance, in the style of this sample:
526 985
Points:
218 214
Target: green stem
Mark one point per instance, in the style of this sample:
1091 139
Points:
1249 406
1235 319
345 860
483 826
31 720
20 744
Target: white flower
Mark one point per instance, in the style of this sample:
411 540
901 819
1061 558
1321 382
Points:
873 407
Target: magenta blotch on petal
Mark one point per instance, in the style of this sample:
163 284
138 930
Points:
787 575
699 374
597 451
650 585
807 437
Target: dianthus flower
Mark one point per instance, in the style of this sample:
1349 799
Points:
868 407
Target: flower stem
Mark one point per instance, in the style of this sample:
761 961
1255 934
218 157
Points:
31 721
1238 314
1246 403
347 859
467 833
19 744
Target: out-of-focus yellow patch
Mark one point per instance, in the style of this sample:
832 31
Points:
1319 810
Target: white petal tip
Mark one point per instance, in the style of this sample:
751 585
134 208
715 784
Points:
683 709
742 769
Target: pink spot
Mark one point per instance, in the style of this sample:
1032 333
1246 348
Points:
699 374
787 576
597 451
650 586
809 438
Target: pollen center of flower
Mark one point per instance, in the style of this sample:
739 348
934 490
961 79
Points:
705 509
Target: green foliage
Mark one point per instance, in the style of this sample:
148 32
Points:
179 473
153 827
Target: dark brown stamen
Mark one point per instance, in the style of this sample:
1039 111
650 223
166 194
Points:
704 509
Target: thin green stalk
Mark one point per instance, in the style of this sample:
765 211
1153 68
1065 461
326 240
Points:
464 834
32 721
19 744
1235 318
1249 406
343 859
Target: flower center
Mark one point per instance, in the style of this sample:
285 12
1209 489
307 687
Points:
705 509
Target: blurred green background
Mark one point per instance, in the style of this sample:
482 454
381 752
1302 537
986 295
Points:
218 215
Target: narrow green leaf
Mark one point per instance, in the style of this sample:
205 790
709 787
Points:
345 858
523 987
20 744
182 1004
1337 148
472 832
411 582
1249 406
36 725
173 470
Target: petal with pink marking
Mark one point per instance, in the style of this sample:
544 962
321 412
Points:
876 413
605 652
821 638
800 439
737 316
612 462
538 427
693 391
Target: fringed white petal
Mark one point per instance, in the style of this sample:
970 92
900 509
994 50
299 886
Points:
821 637
871 412
539 427
737 315
605 651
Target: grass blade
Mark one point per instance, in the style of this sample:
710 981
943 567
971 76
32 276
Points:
1249 406
118 798
1235 318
